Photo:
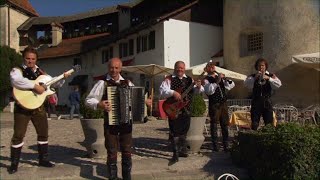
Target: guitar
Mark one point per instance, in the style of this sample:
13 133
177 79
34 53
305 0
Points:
28 99
172 107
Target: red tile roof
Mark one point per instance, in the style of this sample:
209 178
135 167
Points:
24 5
67 47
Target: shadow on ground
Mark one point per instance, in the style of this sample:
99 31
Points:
64 155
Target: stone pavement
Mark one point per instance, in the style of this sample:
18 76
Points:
150 158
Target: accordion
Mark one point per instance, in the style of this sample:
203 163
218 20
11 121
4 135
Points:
128 105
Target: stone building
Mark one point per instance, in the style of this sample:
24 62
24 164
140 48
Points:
13 13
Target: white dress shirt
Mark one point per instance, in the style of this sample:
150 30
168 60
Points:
166 91
274 82
210 88
20 82
97 92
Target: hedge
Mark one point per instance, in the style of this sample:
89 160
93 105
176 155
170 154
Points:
289 151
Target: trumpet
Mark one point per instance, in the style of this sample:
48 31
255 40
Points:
261 80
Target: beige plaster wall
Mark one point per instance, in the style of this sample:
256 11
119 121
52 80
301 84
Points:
290 27
16 19
3 25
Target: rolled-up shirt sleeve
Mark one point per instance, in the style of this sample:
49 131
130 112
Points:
95 95
209 88
249 82
20 82
165 89
275 82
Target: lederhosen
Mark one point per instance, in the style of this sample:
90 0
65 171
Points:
23 116
218 111
117 133
261 103
180 125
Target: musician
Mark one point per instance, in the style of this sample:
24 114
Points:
179 126
262 83
216 86
114 134
20 78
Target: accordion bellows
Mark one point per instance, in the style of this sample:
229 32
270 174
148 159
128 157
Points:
128 105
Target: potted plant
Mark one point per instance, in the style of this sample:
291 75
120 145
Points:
195 136
92 125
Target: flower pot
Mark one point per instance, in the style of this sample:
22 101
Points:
94 137
195 136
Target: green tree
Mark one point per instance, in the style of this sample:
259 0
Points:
9 58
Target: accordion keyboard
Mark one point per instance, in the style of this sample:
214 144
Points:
112 97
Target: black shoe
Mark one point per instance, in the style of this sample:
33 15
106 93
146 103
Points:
174 159
15 158
112 170
13 169
46 164
182 154
43 156
215 148
226 149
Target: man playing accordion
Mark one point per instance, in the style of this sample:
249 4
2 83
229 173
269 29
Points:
114 133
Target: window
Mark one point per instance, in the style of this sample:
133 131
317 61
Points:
255 42
123 50
251 43
144 44
131 47
138 44
106 55
152 38
77 61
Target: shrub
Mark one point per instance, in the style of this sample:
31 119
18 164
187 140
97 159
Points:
289 151
9 59
89 113
198 106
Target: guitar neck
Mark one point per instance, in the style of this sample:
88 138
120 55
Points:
58 78
190 87
187 91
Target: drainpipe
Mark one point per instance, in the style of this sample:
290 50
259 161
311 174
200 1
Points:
9 25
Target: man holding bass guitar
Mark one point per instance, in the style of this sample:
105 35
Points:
22 78
215 87
178 89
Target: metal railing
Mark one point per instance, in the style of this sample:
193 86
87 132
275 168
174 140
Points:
239 102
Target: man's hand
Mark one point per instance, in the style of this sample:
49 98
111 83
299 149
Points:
39 89
218 79
266 77
259 73
65 75
105 105
177 96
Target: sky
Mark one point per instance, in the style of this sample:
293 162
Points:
70 7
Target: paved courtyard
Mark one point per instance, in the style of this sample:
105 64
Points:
150 158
